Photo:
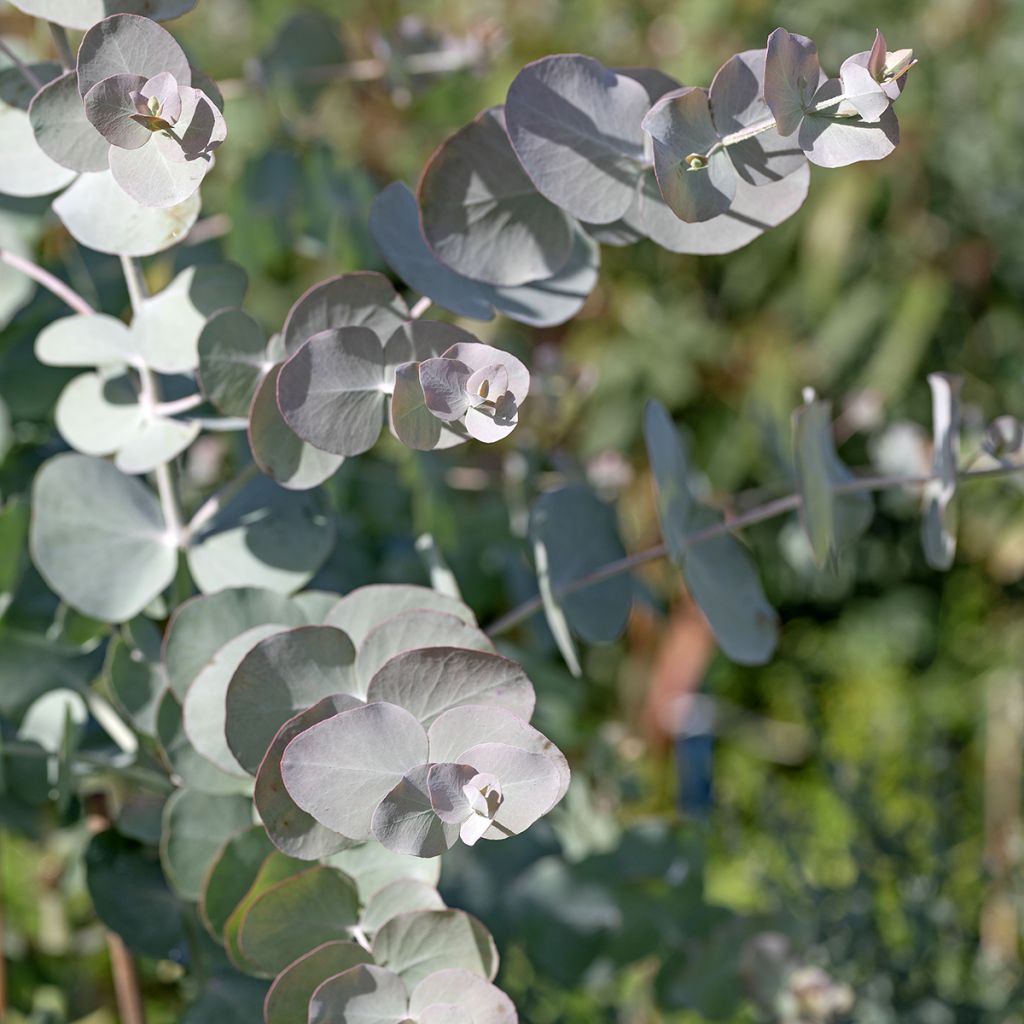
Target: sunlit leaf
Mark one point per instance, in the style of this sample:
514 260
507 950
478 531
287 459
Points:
289 996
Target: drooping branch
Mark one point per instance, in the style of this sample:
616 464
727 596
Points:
52 284
760 514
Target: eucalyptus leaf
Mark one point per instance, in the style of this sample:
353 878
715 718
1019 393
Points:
136 684
81 340
64 134
372 867
289 996
429 681
404 820
233 359
366 607
157 441
292 830
265 536
94 414
232 872
195 826
279 677
83 14
201 625
295 916
361 299
339 770
101 216
482 215
410 419
417 944
98 537
575 127
278 450
482 1002
365 994
402 896
204 713
111 109
792 75
127 44
831 140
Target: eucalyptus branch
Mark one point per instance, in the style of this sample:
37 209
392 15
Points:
26 72
60 41
52 284
150 397
179 405
420 307
760 514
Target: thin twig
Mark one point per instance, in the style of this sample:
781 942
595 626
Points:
216 502
52 284
421 306
150 398
771 509
126 982
60 40
179 405
27 73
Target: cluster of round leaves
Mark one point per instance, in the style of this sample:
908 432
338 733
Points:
508 208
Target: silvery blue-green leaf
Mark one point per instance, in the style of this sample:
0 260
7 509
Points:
737 105
416 945
80 340
414 630
531 784
61 128
580 535
202 625
457 730
362 299
1004 436
358 612
295 916
696 187
372 867
131 897
446 787
265 536
101 216
429 681
754 210
482 215
405 822
26 169
195 826
339 770
402 896
195 771
279 677
290 994
553 613
232 872
136 684
157 441
306 39
169 168
410 419
862 91
291 829
483 1002
478 357
98 537
126 44
333 391
395 226
169 324
719 574
575 127
792 75
829 519
204 714
83 14
278 450
111 109
233 359
831 140
722 578
361 995
49 717
443 382
95 414
315 605
939 523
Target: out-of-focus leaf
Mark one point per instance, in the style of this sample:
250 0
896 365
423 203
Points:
938 527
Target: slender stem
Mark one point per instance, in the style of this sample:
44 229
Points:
771 509
150 398
216 502
421 306
60 40
179 405
130 1009
52 284
27 73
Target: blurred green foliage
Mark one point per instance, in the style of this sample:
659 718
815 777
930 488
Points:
866 842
